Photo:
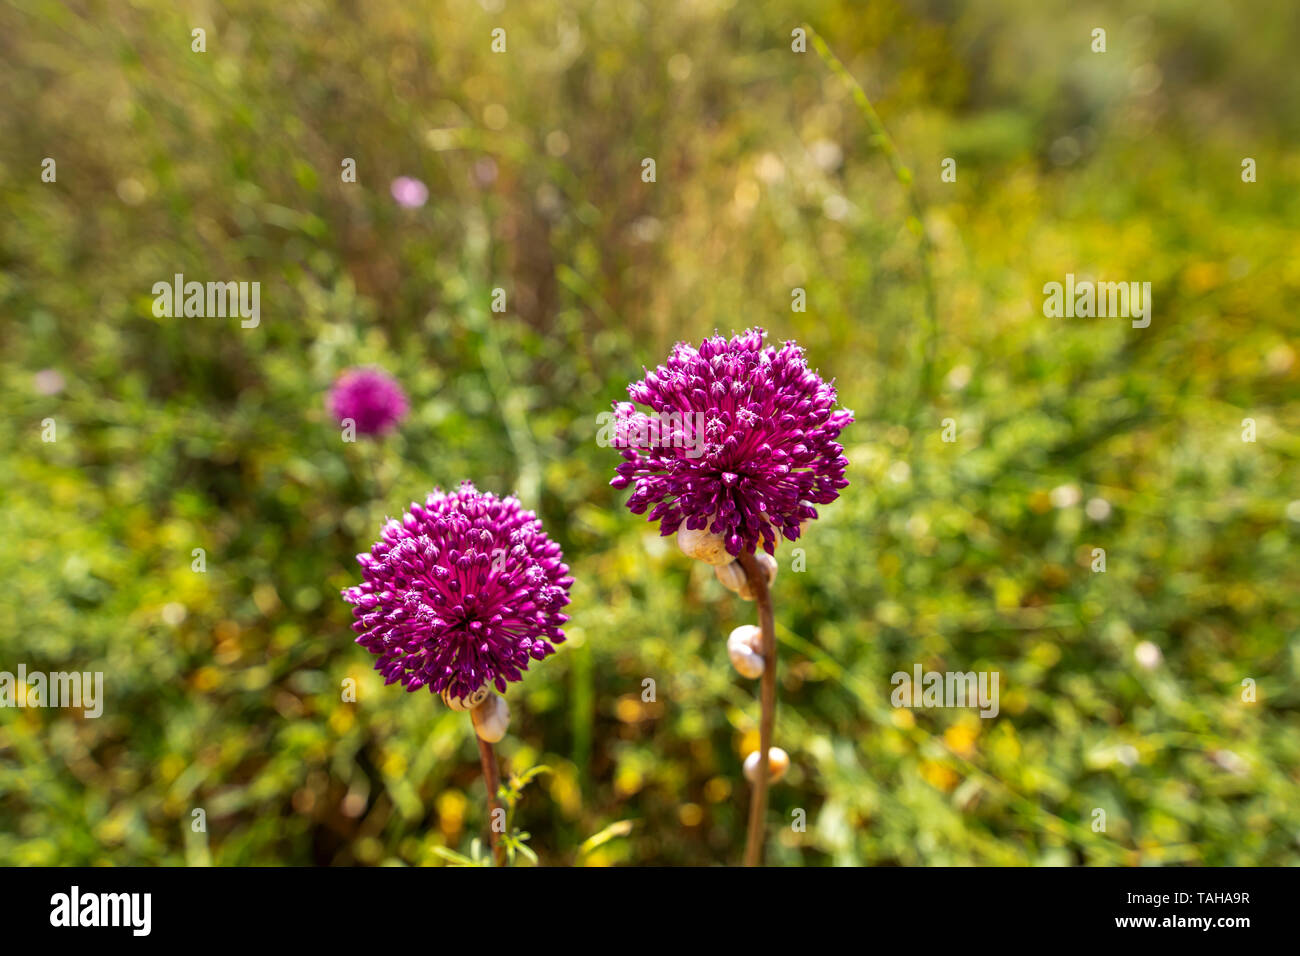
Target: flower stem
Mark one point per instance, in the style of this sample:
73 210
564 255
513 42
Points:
491 780
758 801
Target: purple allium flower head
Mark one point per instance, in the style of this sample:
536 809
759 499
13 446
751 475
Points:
740 439
409 192
464 590
369 397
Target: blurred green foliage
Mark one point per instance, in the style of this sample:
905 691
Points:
172 434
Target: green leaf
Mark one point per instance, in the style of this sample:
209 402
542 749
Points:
612 832
523 779
456 859
527 851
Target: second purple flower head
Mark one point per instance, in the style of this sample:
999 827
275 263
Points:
371 398
740 441
465 590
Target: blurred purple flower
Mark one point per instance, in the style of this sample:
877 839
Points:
464 590
369 397
485 172
49 382
742 440
410 193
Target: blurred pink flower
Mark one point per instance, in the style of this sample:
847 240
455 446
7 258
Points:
485 171
410 193
49 382
369 397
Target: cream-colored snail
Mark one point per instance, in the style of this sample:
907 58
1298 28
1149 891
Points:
466 703
778 762
491 718
745 648
703 545
768 564
731 575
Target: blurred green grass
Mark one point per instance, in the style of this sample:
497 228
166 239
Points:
224 688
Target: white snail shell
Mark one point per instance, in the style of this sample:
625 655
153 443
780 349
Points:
745 648
704 545
491 718
466 703
768 564
731 575
778 762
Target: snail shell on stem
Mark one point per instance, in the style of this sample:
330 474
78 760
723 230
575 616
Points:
731 575
768 564
745 648
491 718
778 762
703 545
466 703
